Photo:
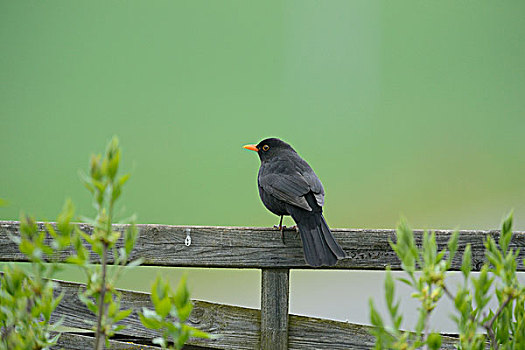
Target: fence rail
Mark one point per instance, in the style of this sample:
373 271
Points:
237 327
259 248
245 247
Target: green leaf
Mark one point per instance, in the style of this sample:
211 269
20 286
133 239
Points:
88 302
375 318
119 327
112 147
130 238
405 248
466 265
75 259
452 245
87 238
440 256
392 306
389 287
183 313
181 339
405 281
53 340
47 250
519 309
427 248
136 262
150 319
181 296
157 291
502 327
113 237
163 307
197 333
420 325
64 219
57 300
506 233
123 179
482 285
99 186
112 308
493 253
507 223
122 315
86 181
27 248
160 341
28 226
51 230
97 247
434 341
115 192
113 164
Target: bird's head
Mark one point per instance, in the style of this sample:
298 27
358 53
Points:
269 148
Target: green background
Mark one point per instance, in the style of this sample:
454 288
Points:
405 108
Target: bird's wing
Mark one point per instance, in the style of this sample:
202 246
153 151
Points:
315 185
290 181
289 188
313 181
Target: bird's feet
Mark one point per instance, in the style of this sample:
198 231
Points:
280 228
283 228
286 228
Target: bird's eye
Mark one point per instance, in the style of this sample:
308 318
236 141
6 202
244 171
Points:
266 147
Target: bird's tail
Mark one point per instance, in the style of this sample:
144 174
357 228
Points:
319 245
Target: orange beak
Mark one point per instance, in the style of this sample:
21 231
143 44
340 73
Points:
251 148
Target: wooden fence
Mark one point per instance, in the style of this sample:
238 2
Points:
244 247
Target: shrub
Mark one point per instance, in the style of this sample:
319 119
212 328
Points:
27 299
477 324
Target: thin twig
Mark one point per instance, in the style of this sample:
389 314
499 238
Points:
451 297
101 338
447 292
425 335
101 334
426 322
488 325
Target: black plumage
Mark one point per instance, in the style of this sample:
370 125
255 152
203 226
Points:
289 186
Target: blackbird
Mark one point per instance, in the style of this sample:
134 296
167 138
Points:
288 186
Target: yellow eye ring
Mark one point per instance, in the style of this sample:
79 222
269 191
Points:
265 148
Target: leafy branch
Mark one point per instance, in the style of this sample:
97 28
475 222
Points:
172 310
504 328
27 299
101 296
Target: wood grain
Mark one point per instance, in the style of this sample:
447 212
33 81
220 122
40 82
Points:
235 327
72 341
275 286
256 247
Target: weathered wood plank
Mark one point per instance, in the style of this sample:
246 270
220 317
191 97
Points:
248 247
70 341
314 333
275 287
236 327
73 341
317 337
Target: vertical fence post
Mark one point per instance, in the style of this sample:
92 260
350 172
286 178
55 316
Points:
274 309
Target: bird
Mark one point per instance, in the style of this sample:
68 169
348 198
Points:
288 186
